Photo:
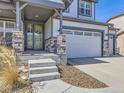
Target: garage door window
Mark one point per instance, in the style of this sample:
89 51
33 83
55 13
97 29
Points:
78 33
88 33
67 32
97 34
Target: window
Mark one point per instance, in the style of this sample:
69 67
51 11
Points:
10 26
6 29
85 8
7 26
67 32
88 33
1 26
67 10
78 33
97 34
1 36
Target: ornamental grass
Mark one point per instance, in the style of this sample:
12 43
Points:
10 81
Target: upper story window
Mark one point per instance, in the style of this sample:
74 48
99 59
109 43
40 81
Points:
85 8
67 10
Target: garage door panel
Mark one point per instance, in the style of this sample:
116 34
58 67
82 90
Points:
83 46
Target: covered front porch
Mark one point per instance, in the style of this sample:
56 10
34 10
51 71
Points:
28 23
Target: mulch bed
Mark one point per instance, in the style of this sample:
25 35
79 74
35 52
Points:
74 76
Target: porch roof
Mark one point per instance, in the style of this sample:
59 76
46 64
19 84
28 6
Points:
36 10
57 4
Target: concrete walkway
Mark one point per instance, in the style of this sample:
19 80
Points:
109 70
58 86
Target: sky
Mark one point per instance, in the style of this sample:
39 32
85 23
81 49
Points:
106 9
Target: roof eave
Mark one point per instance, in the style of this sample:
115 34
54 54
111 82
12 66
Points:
114 17
83 20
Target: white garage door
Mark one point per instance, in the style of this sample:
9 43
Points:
111 46
83 44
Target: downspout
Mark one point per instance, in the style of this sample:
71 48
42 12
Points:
108 41
61 22
116 49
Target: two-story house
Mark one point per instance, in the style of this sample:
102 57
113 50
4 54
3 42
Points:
86 37
118 22
60 26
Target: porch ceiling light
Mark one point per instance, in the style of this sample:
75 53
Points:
36 16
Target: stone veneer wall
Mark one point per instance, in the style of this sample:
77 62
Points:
50 44
106 48
18 41
57 45
61 48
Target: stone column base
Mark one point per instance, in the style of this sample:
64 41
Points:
106 48
57 45
50 44
61 49
18 41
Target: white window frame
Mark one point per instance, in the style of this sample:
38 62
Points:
10 29
5 30
84 5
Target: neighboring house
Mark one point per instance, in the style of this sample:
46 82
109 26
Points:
39 25
118 22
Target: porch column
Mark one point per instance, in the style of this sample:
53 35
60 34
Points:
18 37
61 47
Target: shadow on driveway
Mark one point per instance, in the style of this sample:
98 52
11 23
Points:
85 61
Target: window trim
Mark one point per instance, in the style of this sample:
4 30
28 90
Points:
5 29
5 26
79 9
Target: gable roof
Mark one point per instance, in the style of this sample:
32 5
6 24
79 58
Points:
114 17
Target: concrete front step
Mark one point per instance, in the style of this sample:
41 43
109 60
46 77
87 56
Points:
45 60
44 77
33 57
41 70
42 63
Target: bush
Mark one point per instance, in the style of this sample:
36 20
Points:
10 80
9 77
7 57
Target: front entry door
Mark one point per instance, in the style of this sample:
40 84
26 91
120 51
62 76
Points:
34 37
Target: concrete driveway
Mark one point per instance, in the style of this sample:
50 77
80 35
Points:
109 70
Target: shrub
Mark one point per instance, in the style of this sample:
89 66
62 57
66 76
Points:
8 78
8 71
7 57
